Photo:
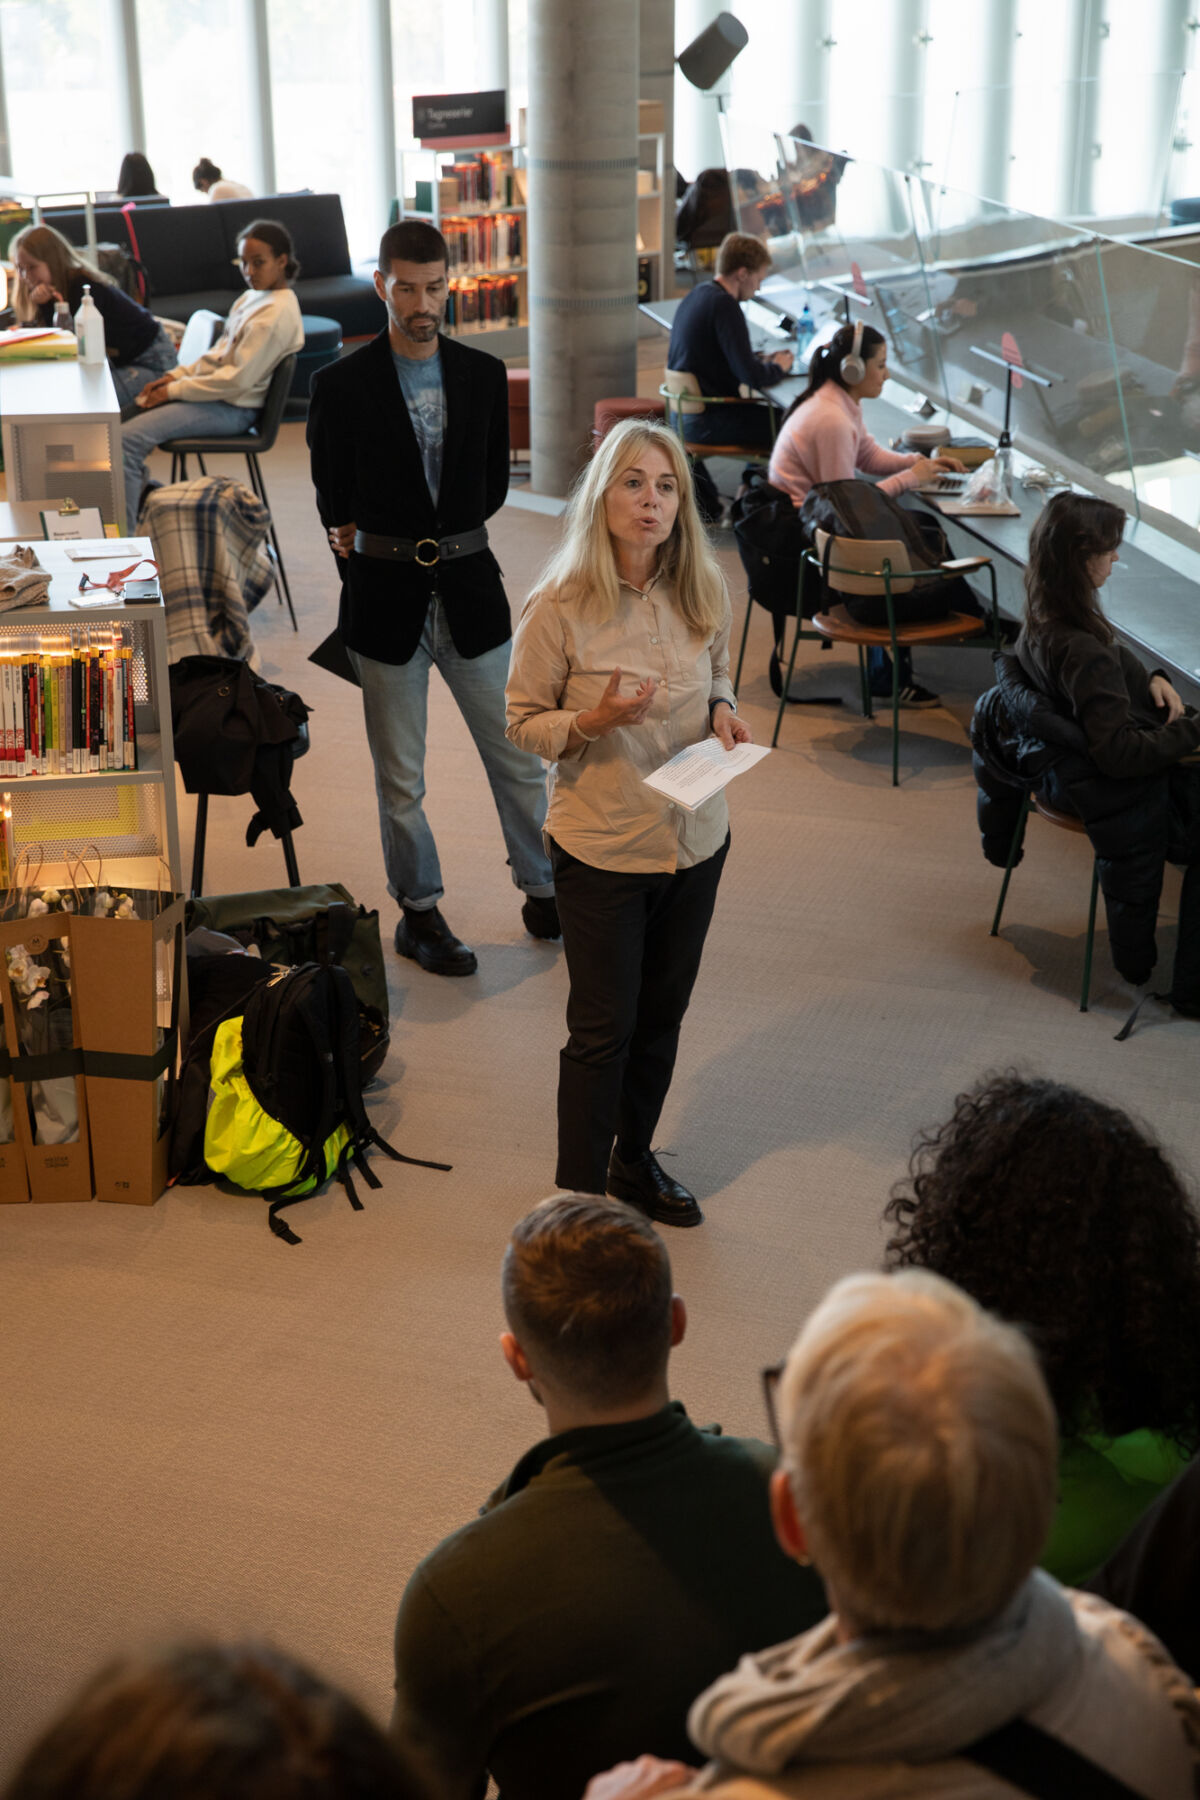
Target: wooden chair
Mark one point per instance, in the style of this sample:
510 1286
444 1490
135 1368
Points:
879 568
680 392
1066 822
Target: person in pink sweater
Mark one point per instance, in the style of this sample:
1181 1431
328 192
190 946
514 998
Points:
823 438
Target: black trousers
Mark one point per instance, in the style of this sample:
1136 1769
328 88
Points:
633 945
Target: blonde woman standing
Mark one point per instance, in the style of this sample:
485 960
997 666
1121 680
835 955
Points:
621 659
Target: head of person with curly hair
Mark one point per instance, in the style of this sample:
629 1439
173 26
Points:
1059 1213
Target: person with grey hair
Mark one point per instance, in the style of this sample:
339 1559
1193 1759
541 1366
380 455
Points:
624 1563
917 1472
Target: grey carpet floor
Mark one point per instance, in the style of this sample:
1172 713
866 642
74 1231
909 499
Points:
206 1430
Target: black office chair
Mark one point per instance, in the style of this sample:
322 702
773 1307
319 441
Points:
255 443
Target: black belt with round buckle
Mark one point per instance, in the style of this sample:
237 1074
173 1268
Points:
389 549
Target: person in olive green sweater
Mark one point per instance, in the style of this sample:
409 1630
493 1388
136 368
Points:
627 1561
1063 1216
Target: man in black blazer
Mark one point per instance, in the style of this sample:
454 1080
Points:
409 444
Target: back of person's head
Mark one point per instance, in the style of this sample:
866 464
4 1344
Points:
587 1293
136 176
583 569
826 362
1056 1210
202 1721
204 174
802 132
920 1445
738 250
1070 530
411 241
276 237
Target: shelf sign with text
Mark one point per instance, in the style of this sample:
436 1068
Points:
444 120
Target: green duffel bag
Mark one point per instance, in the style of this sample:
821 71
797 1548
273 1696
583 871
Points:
301 925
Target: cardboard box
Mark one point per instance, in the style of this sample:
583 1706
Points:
126 976
55 1171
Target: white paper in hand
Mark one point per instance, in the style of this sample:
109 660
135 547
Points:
702 770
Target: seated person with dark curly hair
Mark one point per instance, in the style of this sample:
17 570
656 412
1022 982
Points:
1058 1213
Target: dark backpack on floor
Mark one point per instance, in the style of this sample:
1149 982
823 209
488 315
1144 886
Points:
286 1110
771 541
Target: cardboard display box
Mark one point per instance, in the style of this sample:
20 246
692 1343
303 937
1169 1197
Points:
55 1171
126 977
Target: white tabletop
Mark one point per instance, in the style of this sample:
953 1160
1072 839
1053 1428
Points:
32 392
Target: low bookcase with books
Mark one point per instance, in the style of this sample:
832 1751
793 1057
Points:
477 200
91 929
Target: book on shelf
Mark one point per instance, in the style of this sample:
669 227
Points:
483 300
482 180
67 704
486 241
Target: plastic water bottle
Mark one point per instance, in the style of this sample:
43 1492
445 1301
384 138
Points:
806 330
89 329
62 317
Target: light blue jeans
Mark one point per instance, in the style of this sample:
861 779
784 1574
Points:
395 706
179 418
130 378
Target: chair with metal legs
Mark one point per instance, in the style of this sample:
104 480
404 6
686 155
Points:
879 568
1066 822
252 444
680 392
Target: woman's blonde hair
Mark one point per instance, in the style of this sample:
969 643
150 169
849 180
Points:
583 570
43 244
922 1450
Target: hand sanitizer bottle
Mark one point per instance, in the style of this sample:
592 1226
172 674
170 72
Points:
89 329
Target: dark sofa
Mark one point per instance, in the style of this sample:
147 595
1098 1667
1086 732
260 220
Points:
189 252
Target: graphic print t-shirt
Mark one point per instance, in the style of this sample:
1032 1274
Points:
425 398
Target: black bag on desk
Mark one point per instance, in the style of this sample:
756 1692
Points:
323 924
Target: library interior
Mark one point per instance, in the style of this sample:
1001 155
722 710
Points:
758 435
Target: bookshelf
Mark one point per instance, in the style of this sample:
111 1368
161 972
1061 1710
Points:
477 200
651 178
128 813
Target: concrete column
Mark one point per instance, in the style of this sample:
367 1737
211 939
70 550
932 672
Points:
1080 109
656 81
903 98
381 102
582 224
697 131
491 45
258 95
983 137
129 74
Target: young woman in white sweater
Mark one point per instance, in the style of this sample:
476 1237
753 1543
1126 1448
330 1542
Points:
220 394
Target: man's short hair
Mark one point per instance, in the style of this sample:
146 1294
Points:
587 1293
739 250
922 1449
412 240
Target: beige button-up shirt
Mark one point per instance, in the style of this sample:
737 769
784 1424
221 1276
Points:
600 810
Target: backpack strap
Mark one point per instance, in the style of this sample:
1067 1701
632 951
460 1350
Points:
1042 1765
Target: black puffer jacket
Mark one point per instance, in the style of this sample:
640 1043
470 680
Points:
1020 743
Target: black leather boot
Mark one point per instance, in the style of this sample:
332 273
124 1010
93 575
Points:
428 940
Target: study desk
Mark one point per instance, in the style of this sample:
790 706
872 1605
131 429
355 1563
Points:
1153 595
62 435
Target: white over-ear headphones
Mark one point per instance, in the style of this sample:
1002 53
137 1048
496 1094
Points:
852 368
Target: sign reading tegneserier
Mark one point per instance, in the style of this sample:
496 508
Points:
459 118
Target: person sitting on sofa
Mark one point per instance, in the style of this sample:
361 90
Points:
207 179
220 394
136 179
50 270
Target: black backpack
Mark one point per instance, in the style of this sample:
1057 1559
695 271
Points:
857 509
771 540
282 1106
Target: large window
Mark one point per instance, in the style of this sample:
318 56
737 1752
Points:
320 94
60 79
189 115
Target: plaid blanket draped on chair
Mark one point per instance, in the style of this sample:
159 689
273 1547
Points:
209 541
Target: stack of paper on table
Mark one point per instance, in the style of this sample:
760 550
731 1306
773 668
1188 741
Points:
37 344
